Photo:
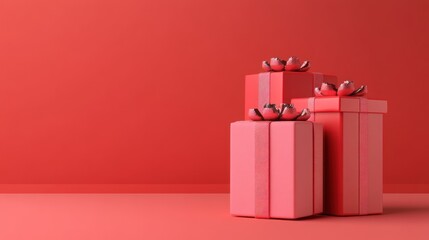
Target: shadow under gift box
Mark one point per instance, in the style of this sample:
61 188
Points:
353 152
276 169
280 87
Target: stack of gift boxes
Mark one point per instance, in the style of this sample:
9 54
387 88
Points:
306 146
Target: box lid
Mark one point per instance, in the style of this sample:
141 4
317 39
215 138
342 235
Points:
341 104
292 73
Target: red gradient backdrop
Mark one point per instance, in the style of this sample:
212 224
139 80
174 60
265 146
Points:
140 94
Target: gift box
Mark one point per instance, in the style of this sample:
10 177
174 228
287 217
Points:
276 169
281 87
353 152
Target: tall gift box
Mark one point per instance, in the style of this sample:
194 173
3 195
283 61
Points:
276 169
353 152
281 87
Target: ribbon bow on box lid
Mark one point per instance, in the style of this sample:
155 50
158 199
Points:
287 112
292 64
347 88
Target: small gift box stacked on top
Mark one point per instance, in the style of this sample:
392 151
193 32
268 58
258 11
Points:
306 147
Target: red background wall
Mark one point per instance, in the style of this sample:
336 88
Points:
140 94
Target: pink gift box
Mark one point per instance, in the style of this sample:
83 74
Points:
353 152
276 169
280 87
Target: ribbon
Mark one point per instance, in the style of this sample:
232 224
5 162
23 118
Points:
263 89
262 172
363 157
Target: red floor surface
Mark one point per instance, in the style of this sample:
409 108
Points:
192 216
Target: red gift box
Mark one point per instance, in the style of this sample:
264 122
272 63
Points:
276 169
280 87
353 157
